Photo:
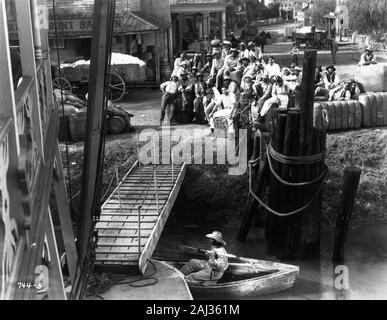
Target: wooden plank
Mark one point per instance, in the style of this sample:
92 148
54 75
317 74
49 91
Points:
56 290
131 219
116 257
111 233
126 226
121 242
65 217
156 233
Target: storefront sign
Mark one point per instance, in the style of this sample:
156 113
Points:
197 1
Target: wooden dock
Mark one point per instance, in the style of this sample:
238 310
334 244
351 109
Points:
134 215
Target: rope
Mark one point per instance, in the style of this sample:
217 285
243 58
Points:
294 184
296 160
286 214
63 112
101 283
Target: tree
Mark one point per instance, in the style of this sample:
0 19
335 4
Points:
368 16
322 8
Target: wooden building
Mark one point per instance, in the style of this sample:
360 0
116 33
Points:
142 29
194 19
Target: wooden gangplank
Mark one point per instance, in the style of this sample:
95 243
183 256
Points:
134 215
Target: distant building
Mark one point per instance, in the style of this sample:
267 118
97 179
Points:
141 28
194 19
339 19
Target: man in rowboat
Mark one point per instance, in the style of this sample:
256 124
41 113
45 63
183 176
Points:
200 272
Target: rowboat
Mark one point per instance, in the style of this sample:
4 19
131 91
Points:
249 279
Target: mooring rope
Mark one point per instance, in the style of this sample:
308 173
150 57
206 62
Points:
295 160
285 214
293 184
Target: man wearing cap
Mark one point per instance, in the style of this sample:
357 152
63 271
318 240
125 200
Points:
217 64
279 95
272 68
178 62
200 272
367 58
255 52
195 62
186 88
226 47
230 65
244 51
183 69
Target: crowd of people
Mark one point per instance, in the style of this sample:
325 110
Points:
239 81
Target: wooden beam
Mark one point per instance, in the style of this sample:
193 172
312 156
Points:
65 217
307 102
350 183
9 184
96 118
27 54
56 290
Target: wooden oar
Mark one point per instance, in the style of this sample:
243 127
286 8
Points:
190 249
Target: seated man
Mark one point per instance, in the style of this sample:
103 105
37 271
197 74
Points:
230 64
178 62
331 84
279 95
352 90
200 101
217 65
272 68
367 58
200 272
263 91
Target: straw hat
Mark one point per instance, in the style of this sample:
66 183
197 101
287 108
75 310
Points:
217 236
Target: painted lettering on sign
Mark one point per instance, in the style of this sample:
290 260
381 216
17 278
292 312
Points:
83 26
197 1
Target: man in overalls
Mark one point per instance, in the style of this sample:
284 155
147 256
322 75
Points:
201 272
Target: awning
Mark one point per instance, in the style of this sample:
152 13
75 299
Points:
138 22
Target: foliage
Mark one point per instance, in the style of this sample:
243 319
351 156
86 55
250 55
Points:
368 16
321 8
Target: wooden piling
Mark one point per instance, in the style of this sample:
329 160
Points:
351 181
298 235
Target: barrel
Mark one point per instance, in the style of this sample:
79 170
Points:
165 69
150 74
116 125
78 125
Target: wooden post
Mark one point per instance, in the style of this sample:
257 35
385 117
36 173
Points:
119 188
350 183
65 217
307 102
139 232
278 136
96 118
56 290
138 157
252 206
156 189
